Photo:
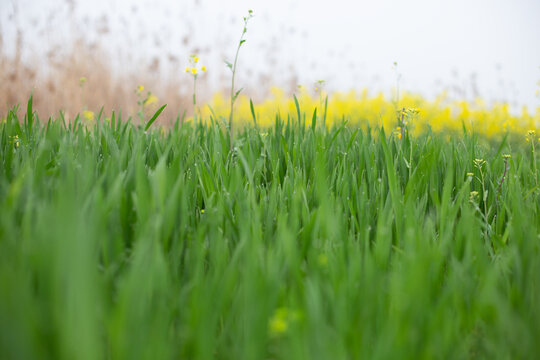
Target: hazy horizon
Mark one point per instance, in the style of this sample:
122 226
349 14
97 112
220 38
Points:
478 48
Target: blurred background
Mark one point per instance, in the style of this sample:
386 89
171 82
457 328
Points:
468 49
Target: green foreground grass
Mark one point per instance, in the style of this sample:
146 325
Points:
301 243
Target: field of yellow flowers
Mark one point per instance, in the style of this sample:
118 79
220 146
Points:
362 109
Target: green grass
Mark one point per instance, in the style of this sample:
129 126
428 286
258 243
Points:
120 243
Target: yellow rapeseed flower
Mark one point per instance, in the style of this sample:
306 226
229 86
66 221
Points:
196 59
88 115
194 71
16 141
322 260
152 99
187 69
140 88
278 324
203 68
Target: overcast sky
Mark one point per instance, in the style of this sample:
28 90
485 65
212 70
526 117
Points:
351 44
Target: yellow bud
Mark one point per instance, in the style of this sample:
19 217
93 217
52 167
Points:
187 69
203 68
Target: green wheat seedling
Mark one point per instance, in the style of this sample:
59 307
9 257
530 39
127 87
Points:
119 241
323 100
531 138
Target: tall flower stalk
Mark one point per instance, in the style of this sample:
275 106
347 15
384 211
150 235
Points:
232 67
193 70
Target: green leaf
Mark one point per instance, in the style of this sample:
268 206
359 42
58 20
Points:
29 115
237 93
325 110
314 119
100 114
253 113
229 65
297 108
393 185
151 121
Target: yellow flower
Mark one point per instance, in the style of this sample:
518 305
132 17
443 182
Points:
278 323
187 69
196 59
277 326
140 88
16 141
531 133
194 71
88 115
152 99
203 68
322 259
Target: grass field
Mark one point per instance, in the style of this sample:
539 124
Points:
303 242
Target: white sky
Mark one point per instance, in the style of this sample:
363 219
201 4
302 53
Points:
350 44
